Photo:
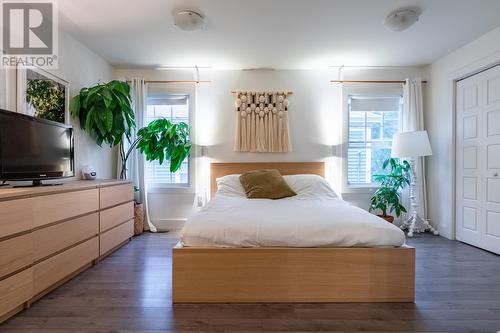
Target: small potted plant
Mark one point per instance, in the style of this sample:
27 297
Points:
387 198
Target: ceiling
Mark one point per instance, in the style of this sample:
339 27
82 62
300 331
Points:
291 34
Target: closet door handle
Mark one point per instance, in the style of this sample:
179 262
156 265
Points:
495 174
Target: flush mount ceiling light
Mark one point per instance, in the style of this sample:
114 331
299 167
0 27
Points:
188 20
401 19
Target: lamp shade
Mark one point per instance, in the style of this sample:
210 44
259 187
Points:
411 144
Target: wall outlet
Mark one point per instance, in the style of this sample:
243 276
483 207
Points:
200 202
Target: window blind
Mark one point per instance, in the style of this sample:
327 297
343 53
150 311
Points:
168 100
373 121
375 104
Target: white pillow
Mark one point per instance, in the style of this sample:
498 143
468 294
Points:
311 186
230 185
305 185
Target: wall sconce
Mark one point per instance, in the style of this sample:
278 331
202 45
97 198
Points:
204 175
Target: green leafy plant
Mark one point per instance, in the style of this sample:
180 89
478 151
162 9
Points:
162 140
105 111
387 197
159 141
47 98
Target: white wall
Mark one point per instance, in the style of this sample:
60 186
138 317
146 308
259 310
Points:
439 121
81 68
315 120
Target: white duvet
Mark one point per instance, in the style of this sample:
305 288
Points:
305 220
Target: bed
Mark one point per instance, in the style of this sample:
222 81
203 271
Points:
289 250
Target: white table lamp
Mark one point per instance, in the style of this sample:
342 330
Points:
412 145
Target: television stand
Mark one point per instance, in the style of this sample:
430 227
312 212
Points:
48 235
37 183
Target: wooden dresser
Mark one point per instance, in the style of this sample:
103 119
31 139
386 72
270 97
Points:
50 234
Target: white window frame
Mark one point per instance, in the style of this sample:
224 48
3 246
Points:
365 90
190 187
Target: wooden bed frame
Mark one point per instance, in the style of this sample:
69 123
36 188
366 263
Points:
290 274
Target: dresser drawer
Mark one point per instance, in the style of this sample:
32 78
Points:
15 253
115 236
114 216
15 290
115 195
56 268
57 207
57 237
16 216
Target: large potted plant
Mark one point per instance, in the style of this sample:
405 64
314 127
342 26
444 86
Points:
106 113
387 198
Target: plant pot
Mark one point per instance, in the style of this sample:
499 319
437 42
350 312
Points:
137 197
138 219
388 218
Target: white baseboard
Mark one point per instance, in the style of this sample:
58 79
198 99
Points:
169 224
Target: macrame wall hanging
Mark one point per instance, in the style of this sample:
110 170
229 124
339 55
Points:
262 121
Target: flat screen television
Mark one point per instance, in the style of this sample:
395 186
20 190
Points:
34 149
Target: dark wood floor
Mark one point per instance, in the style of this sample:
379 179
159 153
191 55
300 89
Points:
458 290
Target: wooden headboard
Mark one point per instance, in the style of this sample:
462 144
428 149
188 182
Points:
286 168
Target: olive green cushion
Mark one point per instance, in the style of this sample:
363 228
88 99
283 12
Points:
265 184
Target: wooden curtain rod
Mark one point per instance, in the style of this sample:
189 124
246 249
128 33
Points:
370 81
236 92
174 81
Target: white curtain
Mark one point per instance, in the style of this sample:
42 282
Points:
413 120
136 161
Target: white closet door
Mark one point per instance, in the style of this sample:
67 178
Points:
478 160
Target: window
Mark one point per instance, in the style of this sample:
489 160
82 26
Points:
372 122
174 107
